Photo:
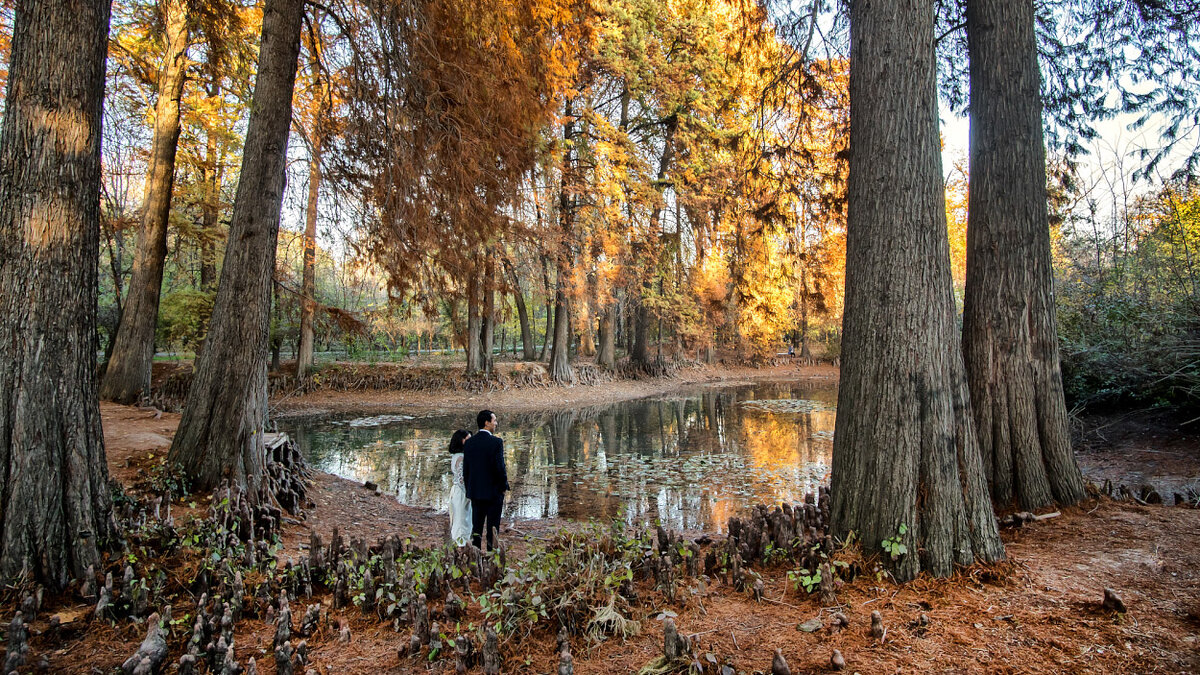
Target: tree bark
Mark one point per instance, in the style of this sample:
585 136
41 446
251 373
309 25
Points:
308 288
1010 341
474 327
560 350
489 317
127 377
560 353
606 356
905 455
549 309
528 353
211 175
55 508
221 431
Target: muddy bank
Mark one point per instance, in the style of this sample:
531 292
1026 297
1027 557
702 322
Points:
532 398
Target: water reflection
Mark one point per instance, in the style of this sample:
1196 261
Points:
690 460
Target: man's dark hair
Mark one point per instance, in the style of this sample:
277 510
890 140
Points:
484 417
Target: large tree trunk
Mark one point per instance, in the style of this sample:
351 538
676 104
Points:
221 432
905 453
55 508
606 356
474 348
308 288
1010 342
528 353
127 377
640 354
587 338
560 351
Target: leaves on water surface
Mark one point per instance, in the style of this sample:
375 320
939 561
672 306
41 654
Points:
786 406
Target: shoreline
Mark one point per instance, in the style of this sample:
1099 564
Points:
536 398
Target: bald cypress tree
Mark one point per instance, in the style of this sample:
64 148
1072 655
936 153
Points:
906 463
55 508
1010 343
221 432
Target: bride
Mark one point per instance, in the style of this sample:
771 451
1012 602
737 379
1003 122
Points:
460 506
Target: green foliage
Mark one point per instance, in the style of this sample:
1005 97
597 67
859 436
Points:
169 480
894 545
803 578
1129 304
183 318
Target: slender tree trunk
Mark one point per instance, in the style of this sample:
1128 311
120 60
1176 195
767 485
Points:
905 455
549 309
805 352
489 318
212 199
127 377
474 347
560 353
55 508
641 338
308 290
528 352
1010 342
225 416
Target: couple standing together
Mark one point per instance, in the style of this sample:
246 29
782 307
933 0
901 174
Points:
479 475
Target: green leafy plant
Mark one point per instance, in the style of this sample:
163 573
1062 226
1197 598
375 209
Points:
894 545
802 578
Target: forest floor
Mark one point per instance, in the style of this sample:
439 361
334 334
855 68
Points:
1039 612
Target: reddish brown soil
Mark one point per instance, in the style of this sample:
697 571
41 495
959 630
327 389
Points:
1038 613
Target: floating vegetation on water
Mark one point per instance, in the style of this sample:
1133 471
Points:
376 421
786 406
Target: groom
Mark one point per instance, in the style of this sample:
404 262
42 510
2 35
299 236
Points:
485 478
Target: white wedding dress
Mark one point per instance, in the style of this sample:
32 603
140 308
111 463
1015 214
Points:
460 506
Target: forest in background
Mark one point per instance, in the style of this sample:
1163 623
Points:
686 196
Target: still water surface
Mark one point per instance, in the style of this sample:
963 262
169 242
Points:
690 460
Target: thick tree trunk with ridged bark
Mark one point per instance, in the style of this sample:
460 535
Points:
606 356
127 377
474 345
55 508
1010 343
904 452
221 432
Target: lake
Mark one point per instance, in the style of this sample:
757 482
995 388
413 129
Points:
689 460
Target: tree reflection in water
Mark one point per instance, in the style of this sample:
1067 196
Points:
689 460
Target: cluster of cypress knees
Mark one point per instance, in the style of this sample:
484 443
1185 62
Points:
240 533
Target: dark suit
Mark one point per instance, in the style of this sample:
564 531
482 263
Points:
486 480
